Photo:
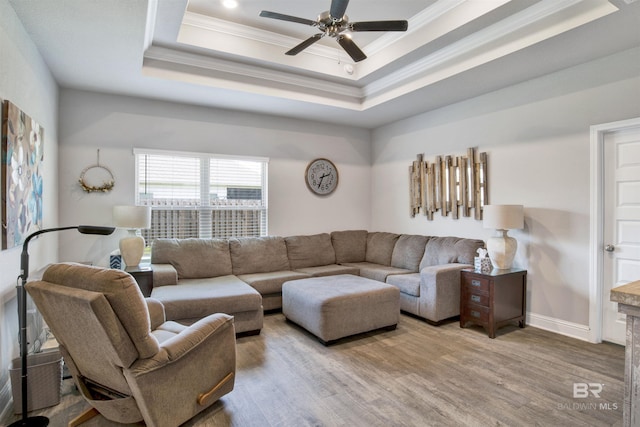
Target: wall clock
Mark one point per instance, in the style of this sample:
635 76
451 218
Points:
321 177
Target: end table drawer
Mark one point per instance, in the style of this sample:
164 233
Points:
476 284
477 313
478 299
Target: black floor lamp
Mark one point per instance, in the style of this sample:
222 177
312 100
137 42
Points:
22 313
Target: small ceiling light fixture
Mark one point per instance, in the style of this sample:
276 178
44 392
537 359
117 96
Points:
230 4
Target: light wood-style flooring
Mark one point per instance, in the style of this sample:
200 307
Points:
416 375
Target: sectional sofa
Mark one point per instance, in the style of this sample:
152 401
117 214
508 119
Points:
243 277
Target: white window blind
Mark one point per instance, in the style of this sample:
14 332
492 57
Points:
195 195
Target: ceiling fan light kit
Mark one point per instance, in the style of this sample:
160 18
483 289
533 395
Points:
334 23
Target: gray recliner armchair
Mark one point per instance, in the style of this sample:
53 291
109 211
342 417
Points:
127 361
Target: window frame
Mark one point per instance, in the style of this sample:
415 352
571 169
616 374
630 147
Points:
205 208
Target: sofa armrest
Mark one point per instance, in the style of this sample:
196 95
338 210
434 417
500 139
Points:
194 368
164 274
156 312
440 291
196 334
204 332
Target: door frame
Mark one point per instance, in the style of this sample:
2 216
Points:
596 222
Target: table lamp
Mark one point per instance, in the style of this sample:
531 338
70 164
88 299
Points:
501 247
132 218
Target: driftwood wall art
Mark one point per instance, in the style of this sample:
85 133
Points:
450 184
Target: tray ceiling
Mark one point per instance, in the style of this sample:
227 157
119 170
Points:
202 53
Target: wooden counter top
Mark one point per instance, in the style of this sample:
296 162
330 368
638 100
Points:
627 294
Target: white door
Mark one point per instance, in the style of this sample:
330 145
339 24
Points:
621 223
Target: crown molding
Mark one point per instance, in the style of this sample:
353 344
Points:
218 68
284 77
502 38
416 22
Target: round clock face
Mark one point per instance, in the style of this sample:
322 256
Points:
322 176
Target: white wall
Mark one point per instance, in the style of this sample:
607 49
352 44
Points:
536 136
116 124
26 81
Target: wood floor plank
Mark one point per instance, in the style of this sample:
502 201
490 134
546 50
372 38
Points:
416 375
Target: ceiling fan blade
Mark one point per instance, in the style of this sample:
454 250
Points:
338 8
305 44
351 48
282 17
379 26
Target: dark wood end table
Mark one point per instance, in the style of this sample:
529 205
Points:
143 274
493 299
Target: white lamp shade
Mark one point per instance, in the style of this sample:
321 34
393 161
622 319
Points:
132 217
503 217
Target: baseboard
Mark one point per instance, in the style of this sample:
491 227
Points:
6 399
570 329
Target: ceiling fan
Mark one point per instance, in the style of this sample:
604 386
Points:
333 23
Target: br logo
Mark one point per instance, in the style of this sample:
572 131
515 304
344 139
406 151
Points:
583 390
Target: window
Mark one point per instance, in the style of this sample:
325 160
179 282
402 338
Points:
201 195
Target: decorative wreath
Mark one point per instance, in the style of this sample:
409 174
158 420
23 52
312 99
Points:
106 185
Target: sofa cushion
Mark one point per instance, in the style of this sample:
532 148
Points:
258 254
310 251
408 251
445 250
271 282
376 271
349 245
329 270
193 298
380 247
407 283
193 258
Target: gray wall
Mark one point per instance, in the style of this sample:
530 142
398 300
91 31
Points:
26 81
536 136
116 124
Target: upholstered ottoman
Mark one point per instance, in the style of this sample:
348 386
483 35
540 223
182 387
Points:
334 307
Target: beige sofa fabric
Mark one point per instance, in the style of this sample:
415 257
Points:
329 270
103 325
197 298
271 282
343 305
434 292
314 255
408 251
188 300
270 285
265 263
310 251
164 274
258 254
388 254
440 291
122 292
349 245
187 256
375 271
380 247
408 284
445 250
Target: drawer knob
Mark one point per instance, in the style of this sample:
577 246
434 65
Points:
475 298
475 283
